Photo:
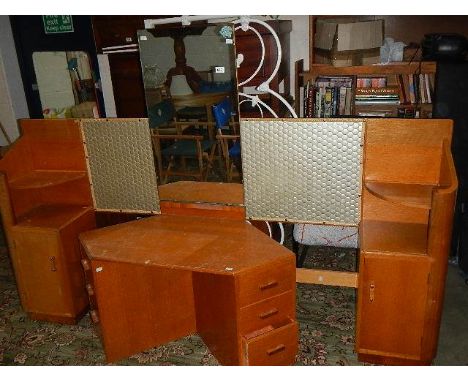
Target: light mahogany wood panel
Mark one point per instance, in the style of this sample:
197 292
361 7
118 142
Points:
216 311
141 307
202 209
209 199
405 151
418 132
440 229
376 208
54 216
402 163
37 254
277 347
225 246
271 311
202 192
54 144
17 161
411 195
392 305
396 237
324 277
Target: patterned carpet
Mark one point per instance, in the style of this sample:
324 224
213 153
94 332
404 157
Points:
326 316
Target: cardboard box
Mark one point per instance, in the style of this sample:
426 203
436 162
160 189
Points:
348 43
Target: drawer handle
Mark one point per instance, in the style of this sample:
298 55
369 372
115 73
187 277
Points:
270 313
277 349
53 267
85 264
89 289
94 316
269 285
372 292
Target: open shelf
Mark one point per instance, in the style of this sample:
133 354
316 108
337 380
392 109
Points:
45 178
411 195
53 216
393 237
377 69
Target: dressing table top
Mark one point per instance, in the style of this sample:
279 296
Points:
222 246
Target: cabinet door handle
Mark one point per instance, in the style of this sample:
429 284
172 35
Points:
371 291
270 313
276 349
269 285
53 268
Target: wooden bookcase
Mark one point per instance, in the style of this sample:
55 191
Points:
392 73
409 29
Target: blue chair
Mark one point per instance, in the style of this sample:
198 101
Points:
161 117
228 138
170 144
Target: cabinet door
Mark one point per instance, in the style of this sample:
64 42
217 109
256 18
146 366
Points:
40 271
392 305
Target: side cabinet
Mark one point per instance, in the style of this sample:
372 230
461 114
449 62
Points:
48 272
392 305
40 266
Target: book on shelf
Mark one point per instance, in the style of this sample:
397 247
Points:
422 87
416 88
378 91
404 91
371 82
411 89
381 114
429 87
382 95
329 97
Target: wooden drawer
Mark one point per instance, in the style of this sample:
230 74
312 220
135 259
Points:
86 265
278 346
89 284
266 282
271 311
91 295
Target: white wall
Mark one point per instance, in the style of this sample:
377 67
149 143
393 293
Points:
13 103
299 44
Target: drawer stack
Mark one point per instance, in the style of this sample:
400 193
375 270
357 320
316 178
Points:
266 320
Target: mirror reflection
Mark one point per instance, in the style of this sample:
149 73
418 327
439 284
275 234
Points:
189 76
65 84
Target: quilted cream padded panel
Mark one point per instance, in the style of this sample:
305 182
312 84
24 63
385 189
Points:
302 170
121 164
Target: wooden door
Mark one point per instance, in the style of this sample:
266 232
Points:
127 83
392 300
40 271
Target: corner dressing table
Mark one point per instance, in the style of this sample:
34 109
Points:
161 278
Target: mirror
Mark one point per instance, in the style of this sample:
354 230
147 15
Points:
186 71
65 84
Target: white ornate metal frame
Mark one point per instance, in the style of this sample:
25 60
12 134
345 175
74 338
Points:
244 23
